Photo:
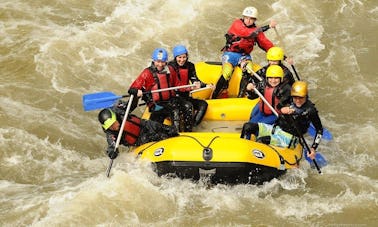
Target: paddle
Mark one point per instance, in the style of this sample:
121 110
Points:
311 130
120 133
295 126
106 99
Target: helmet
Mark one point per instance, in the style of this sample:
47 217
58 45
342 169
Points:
274 71
107 117
178 50
160 54
275 54
299 88
250 12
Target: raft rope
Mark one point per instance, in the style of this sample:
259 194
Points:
208 146
283 160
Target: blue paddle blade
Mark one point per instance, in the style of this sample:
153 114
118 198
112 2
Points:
319 158
326 133
99 100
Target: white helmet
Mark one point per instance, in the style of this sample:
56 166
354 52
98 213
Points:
250 12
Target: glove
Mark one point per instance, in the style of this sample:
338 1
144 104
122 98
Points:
122 104
112 154
147 96
133 91
158 107
154 107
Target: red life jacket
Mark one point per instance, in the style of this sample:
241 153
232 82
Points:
132 129
161 81
271 98
183 75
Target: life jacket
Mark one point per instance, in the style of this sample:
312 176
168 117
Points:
183 75
132 129
236 42
161 81
269 95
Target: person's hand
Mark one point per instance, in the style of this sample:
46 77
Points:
290 60
273 24
133 91
154 107
197 85
250 86
287 110
211 86
311 154
147 96
158 107
112 154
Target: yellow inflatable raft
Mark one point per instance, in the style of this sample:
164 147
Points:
219 157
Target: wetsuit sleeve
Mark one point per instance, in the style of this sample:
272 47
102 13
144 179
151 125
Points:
193 74
315 120
284 96
265 28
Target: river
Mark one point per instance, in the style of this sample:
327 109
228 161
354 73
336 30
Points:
52 152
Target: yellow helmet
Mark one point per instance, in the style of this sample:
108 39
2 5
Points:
275 54
274 71
299 88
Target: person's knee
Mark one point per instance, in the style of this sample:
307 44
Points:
227 70
248 67
250 128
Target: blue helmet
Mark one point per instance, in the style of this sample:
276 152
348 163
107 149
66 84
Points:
178 50
160 54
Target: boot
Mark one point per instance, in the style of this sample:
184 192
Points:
188 116
243 85
200 112
176 120
221 84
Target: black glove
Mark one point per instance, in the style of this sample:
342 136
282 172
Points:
112 154
147 96
122 104
133 91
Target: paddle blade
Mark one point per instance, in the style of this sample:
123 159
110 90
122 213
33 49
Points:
326 133
319 158
99 100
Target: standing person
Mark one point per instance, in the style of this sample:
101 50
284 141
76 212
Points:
240 40
292 123
162 104
186 73
136 131
275 91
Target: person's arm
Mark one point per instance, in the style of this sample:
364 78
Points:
284 96
140 83
193 75
111 151
315 120
272 24
263 42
